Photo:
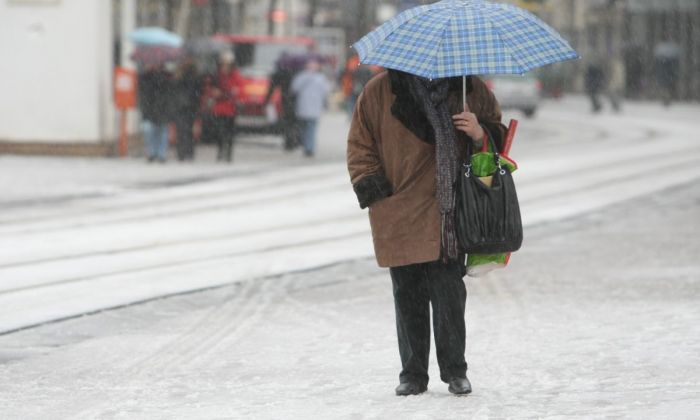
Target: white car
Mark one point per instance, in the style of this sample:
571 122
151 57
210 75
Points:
516 92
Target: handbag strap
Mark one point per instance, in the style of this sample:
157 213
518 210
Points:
496 156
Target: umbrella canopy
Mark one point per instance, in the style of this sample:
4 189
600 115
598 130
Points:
156 55
155 36
463 37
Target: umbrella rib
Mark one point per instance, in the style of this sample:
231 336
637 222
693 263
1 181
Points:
507 45
442 39
369 52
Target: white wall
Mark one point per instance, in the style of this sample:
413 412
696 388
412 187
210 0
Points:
55 71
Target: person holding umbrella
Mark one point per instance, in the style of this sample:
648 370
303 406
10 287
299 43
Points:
155 48
154 99
409 132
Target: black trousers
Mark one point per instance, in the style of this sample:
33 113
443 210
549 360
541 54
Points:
225 129
290 126
415 288
185 140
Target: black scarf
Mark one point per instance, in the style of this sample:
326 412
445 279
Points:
422 107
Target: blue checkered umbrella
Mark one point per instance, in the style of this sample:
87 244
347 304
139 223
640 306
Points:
463 37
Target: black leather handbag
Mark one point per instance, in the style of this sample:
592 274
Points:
488 213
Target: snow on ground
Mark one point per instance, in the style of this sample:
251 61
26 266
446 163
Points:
79 235
596 318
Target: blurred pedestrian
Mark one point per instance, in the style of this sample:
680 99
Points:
616 83
346 82
406 137
354 78
187 92
311 89
222 93
666 70
154 94
595 84
360 76
285 71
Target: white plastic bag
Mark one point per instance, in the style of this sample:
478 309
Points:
271 114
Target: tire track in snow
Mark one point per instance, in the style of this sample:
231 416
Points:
168 356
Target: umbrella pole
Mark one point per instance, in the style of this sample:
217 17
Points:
464 94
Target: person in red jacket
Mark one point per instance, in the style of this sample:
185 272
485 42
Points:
223 91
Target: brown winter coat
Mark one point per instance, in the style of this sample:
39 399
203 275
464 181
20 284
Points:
393 172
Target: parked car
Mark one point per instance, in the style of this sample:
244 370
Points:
256 57
517 92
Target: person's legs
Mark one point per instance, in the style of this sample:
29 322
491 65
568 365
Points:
351 101
289 125
188 137
411 302
181 142
149 140
301 123
220 133
162 142
313 129
229 138
309 136
615 100
448 296
595 102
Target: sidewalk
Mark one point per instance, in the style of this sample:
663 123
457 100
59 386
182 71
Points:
596 318
29 179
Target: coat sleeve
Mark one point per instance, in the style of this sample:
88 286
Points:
488 111
364 163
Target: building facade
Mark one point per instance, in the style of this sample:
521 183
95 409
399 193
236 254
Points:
632 31
56 76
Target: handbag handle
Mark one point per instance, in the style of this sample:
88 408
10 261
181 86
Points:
492 142
496 156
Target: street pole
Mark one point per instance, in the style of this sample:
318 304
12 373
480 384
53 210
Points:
183 18
241 14
362 17
313 9
270 21
128 24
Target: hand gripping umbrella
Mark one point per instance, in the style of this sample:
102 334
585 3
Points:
463 37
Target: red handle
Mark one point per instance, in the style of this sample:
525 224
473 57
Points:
510 135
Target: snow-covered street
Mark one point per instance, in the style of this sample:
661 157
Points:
595 318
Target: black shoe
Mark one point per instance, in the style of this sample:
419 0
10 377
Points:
460 386
410 388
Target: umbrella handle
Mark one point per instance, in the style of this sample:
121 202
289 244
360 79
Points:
464 94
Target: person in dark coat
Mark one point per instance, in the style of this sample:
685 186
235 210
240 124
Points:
154 94
285 71
361 75
187 91
666 73
407 137
595 84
